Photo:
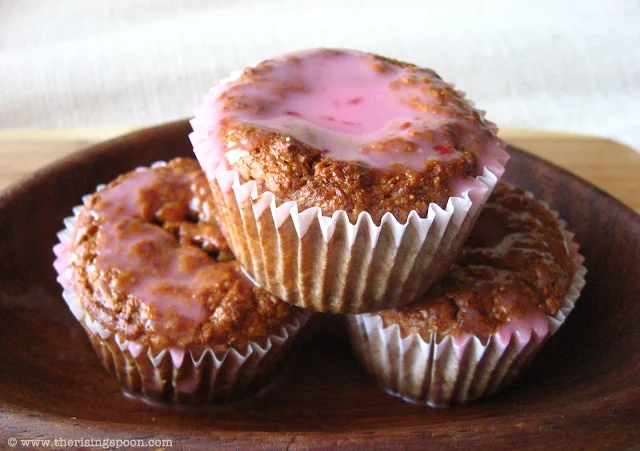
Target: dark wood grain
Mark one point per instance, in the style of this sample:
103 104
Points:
583 392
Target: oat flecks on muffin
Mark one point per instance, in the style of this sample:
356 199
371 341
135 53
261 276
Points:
149 263
516 264
345 130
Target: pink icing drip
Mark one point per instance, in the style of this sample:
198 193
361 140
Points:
345 104
177 356
533 322
135 349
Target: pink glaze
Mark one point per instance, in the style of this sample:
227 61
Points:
177 356
524 327
172 292
533 324
135 349
338 102
532 320
168 285
123 199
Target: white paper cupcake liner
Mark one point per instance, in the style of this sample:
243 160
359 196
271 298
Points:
175 374
326 263
329 264
440 370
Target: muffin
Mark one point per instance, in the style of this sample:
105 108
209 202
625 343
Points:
509 290
345 181
164 303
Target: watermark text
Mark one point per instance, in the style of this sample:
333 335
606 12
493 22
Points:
101 443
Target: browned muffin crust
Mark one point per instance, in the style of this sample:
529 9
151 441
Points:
295 171
515 259
178 207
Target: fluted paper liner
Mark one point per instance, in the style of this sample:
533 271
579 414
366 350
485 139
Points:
329 264
174 374
439 370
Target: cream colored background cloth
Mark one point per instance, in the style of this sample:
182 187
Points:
571 66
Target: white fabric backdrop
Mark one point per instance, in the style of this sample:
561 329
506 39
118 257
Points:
571 66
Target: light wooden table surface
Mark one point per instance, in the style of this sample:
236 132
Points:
607 164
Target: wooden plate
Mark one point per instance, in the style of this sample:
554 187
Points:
583 391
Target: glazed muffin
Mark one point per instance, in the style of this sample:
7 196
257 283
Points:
345 181
508 291
166 306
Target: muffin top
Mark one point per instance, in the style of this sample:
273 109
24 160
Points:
149 263
516 265
345 130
